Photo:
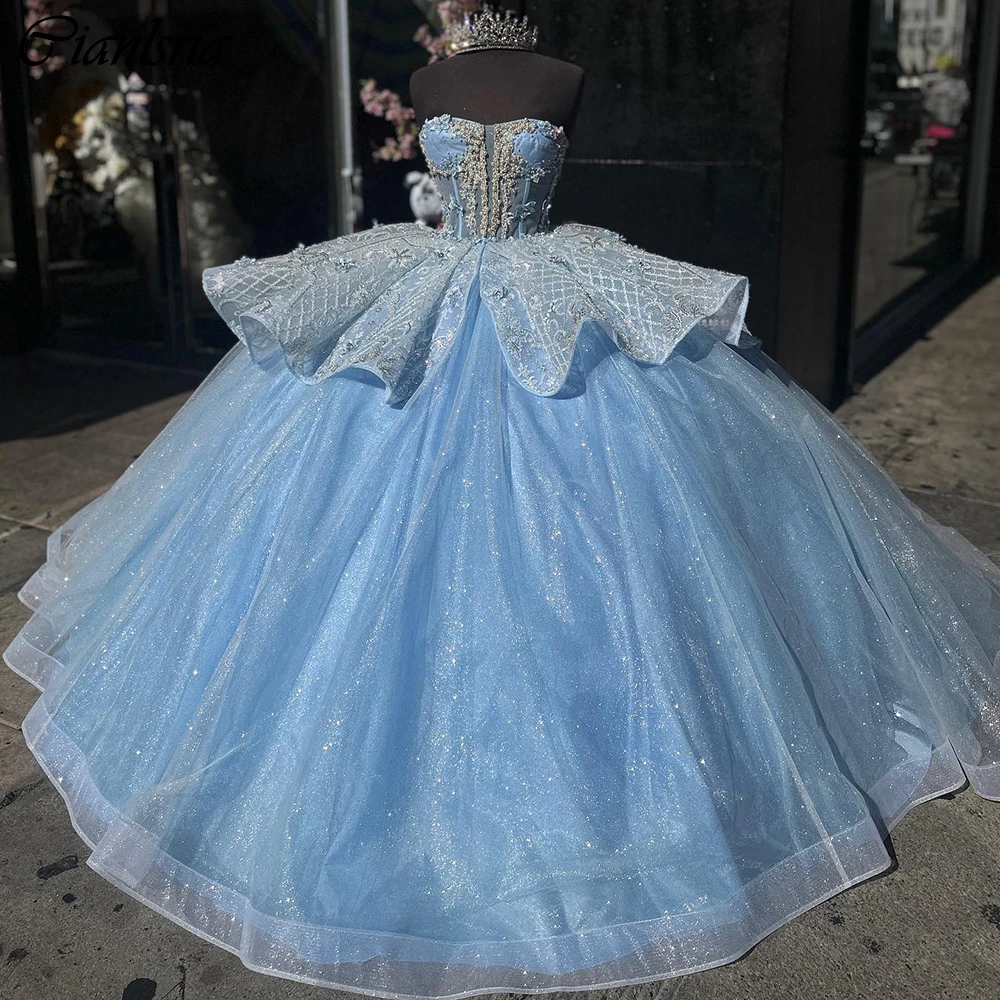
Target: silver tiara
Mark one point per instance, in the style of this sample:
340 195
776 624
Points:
490 28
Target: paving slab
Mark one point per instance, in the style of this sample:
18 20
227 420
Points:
928 928
932 418
46 394
978 521
48 477
22 550
77 937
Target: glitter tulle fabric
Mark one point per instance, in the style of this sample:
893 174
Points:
493 683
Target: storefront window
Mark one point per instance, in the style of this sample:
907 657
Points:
916 144
157 168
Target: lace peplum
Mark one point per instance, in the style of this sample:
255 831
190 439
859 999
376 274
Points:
392 299
494 180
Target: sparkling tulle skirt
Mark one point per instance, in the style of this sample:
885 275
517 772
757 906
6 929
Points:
491 691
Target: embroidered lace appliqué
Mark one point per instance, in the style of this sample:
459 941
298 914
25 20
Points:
391 300
494 180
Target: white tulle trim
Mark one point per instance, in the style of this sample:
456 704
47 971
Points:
404 966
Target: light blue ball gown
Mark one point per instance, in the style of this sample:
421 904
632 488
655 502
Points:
497 616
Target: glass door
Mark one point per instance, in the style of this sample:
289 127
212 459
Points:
175 135
920 149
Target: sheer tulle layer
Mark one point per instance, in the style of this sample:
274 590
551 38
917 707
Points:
492 691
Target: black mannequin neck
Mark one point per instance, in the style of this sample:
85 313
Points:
497 85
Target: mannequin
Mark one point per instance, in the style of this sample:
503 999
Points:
498 85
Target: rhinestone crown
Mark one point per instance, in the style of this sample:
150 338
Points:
490 28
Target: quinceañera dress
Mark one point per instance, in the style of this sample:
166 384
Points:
497 616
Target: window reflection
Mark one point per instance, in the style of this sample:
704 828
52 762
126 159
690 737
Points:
154 169
916 144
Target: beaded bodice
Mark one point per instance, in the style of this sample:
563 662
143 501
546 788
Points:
494 180
394 300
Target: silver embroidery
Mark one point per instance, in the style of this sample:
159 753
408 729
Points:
369 300
644 302
488 189
391 300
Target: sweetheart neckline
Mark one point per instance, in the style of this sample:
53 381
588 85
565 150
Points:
510 121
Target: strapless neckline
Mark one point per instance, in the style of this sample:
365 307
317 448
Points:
495 179
557 129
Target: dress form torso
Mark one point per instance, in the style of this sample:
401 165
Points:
498 85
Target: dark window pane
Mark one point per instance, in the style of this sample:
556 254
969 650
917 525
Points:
916 140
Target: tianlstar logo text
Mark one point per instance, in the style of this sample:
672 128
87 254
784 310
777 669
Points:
149 47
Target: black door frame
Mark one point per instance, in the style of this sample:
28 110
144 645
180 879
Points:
824 112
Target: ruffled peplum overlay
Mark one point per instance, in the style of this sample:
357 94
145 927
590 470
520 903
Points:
496 616
390 299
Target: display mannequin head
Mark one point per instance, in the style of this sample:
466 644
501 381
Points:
493 84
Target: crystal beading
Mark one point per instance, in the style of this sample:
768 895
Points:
490 28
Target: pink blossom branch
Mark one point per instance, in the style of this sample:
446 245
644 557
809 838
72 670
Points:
34 11
387 104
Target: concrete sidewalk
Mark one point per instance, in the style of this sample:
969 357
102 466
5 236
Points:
931 928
